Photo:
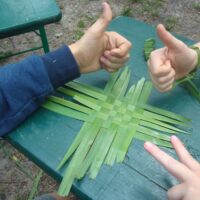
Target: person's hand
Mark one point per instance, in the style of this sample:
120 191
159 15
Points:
186 170
172 62
98 48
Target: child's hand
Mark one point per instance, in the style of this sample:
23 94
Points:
186 170
172 62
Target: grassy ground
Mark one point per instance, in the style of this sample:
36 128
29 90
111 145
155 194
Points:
17 173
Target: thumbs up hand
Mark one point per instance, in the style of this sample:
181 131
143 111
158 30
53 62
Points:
98 48
170 63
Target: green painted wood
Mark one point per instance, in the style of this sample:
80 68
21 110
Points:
22 16
43 37
45 136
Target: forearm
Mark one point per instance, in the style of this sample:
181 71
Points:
25 85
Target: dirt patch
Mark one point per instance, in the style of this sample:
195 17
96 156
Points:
180 16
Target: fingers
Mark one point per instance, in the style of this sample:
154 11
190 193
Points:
109 66
184 155
177 192
112 63
164 87
161 71
176 168
116 53
114 59
157 63
164 83
167 38
167 78
101 24
122 46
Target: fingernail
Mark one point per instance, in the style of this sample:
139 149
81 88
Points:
148 145
174 137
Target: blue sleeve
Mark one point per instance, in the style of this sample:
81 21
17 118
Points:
25 85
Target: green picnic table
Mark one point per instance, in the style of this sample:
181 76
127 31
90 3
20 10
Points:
22 16
45 136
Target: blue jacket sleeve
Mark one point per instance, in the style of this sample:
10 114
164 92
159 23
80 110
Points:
25 85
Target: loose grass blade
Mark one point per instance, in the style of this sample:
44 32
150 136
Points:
164 112
69 104
149 46
111 82
144 137
35 185
90 91
121 84
85 128
64 111
78 158
192 88
137 91
73 93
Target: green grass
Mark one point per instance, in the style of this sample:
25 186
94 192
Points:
171 22
135 1
152 7
23 197
5 54
127 11
78 34
2 191
36 182
9 154
81 24
196 6
148 8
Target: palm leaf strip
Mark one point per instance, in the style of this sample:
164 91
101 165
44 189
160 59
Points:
112 118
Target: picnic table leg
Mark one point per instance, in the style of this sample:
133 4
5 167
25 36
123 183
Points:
43 37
